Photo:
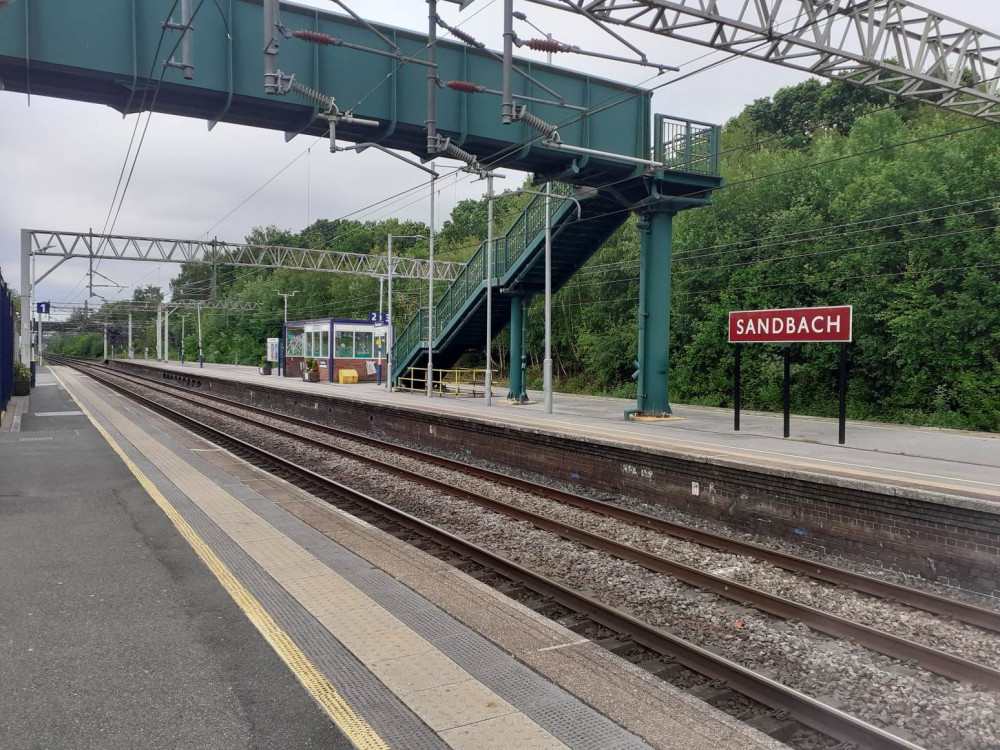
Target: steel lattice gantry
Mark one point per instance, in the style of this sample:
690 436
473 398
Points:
65 245
893 46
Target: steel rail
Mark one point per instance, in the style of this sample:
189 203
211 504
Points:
934 660
809 711
933 603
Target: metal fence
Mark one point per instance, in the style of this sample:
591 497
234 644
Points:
687 145
8 343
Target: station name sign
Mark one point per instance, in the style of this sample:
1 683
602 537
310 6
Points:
793 325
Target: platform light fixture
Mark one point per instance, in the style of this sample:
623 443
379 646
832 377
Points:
286 295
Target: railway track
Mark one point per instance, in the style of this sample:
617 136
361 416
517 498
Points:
803 708
916 598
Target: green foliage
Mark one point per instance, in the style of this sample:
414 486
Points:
21 371
821 207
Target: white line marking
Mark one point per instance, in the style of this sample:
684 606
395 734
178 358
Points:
58 414
564 645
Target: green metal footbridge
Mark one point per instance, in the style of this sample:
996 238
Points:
337 76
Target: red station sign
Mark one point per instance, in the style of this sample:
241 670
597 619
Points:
793 325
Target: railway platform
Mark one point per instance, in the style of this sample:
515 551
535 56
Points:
964 464
157 591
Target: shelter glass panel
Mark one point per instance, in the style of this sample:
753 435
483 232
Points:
363 344
345 344
294 344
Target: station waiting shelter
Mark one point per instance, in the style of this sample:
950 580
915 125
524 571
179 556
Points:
336 344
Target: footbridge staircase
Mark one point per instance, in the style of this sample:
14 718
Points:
518 272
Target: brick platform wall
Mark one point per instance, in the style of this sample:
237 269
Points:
897 529
358 365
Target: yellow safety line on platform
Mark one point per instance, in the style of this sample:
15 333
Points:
347 720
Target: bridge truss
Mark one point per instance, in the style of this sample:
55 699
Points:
894 46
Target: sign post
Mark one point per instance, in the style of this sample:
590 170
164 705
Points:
801 325
736 388
842 387
786 387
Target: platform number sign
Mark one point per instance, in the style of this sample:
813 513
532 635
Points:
378 318
42 308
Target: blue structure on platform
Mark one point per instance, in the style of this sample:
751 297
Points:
8 343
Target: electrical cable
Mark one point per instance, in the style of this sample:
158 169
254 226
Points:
149 117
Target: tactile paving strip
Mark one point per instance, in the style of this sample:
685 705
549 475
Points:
561 714
390 718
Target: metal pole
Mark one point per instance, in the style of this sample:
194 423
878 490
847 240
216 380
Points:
523 377
201 355
187 53
842 434
34 311
785 387
736 388
507 108
130 334
270 15
547 362
431 76
25 296
159 333
105 341
488 396
381 281
166 335
385 339
388 335
183 321
39 339
430 299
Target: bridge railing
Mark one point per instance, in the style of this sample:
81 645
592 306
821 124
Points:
413 334
687 145
506 250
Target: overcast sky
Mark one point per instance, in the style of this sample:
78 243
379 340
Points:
60 160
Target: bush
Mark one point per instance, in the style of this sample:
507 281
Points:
21 371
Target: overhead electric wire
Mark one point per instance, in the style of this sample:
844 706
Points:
138 119
152 108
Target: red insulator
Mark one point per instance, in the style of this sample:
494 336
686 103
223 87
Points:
315 37
464 86
467 38
546 45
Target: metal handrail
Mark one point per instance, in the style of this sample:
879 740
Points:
506 251
687 145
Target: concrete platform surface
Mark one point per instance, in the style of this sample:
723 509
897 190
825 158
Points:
943 461
112 635
156 591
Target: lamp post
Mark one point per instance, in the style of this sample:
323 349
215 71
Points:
286 295
547 362
430 298
281 351
201 355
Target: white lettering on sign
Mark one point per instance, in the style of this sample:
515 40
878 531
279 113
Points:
786 326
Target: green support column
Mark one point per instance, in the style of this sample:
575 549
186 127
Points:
654 313
517 390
